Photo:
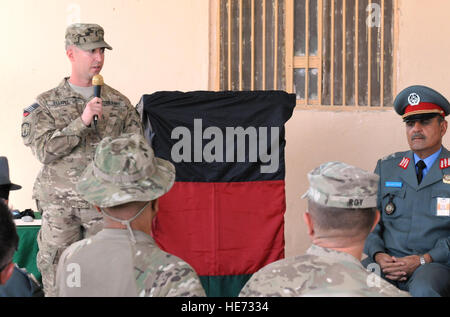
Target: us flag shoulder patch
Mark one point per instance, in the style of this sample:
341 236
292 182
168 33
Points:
444 163
30 109
404 163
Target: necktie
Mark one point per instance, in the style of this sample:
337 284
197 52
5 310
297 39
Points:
421 166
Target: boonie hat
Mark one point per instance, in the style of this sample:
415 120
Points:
125 169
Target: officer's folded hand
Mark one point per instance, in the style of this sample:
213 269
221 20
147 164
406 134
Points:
392 267
410 264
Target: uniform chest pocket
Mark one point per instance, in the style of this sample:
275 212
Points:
65 112
393 202
440 203
112 123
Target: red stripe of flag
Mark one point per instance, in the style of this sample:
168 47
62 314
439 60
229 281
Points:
228 228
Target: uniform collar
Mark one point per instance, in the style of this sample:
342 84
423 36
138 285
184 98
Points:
336 255
109 233
64 84
434 175
429 161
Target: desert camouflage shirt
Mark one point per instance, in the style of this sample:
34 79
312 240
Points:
53 129
160 274
109 264
321 272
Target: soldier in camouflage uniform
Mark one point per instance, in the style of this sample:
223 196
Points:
58 129
124 182
341 213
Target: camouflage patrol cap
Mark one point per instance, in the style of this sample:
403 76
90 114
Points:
336 184
125 169
86 36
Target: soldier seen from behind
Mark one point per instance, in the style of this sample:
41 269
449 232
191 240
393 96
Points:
124 182
341 213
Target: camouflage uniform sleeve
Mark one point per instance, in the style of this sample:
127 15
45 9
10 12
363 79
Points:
251 288
178 280
132 122
174 280
45 140
159 274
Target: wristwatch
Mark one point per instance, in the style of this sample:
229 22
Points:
422 260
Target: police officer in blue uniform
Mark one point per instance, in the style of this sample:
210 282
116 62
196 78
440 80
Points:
17 283
411 243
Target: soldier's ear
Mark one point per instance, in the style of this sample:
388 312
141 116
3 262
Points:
6 273
309 223
155 205
444 127
69 53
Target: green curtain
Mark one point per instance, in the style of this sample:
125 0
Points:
224 285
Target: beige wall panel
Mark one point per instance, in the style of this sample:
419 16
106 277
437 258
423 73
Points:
157 45
316 137
424 44
361 138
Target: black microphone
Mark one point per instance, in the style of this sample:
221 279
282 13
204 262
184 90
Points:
97 82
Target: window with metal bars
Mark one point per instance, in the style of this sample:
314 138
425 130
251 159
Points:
335 54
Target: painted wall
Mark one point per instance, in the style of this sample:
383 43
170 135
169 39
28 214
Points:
164 45
157 45
361 138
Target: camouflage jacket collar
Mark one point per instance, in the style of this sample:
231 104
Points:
326 252
69 92
109 233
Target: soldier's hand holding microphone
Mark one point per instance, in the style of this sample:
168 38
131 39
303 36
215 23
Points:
94 108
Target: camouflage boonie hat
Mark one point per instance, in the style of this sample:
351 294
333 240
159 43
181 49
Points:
336 184
86 36
123 170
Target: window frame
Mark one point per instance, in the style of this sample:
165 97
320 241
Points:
308 62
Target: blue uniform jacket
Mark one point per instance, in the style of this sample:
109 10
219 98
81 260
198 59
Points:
20 285
414 227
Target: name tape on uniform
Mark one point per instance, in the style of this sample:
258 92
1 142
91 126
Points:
393 184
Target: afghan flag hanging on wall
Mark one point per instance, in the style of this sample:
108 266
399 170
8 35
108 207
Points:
225 213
